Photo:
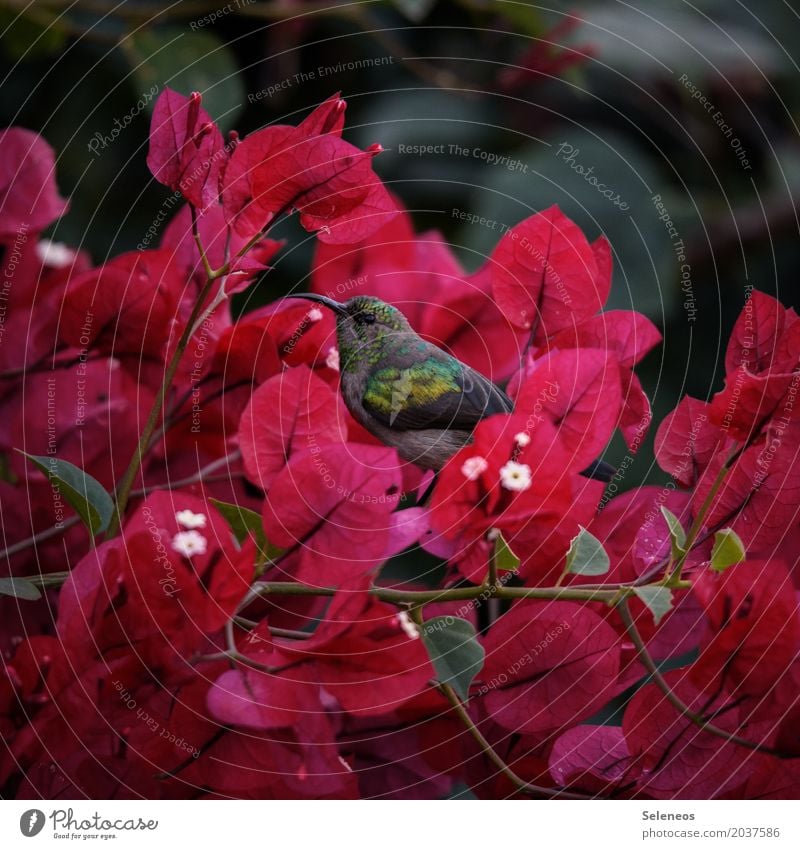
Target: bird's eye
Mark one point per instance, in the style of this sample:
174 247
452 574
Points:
365 318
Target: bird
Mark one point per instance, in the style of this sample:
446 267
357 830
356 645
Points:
409 393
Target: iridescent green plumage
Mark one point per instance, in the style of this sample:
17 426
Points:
436 392
369 345
406 391
409 393
390 390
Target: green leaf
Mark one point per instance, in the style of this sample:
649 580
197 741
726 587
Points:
728 550
242 521
504 557
454 650
245 522
657 599
676 533
586 555
19 588
81 491
188 61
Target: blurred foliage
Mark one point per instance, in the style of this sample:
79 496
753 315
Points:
618 83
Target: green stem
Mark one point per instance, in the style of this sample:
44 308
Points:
417 597
416 614
673 698
200 249
42 536
232 653
202 475
48 579
697 524
126 483
492 755
289 633
492 582
611 595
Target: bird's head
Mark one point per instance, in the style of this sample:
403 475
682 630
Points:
363 325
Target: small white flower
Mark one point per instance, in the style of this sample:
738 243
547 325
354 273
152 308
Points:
407 625
189 543
492 534
332 360
314 314
54 254
522 439
515 476
474 467
191 520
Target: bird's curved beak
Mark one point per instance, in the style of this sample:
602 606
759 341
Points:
321 299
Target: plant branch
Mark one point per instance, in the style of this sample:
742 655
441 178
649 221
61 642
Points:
42 536
126 483
416 613
492 582
673 698
199 242
200 476
197 316
494 757
47 579
702 513
233 654
289 633
415 597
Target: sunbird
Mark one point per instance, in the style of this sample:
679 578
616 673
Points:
409 393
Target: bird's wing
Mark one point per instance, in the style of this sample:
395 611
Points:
432 393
